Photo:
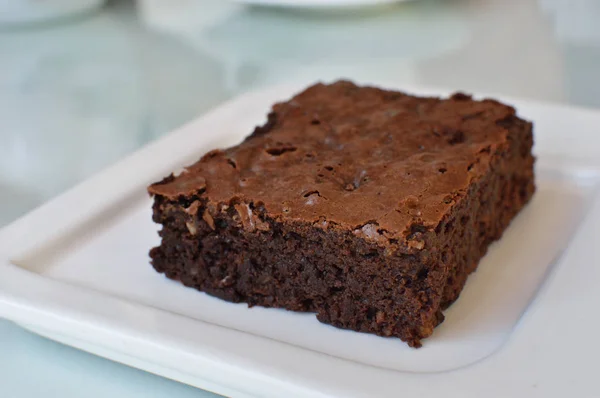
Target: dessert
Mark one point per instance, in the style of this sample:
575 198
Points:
365 206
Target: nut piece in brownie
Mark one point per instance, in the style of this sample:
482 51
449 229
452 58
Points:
368 207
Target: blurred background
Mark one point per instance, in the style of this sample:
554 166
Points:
85 82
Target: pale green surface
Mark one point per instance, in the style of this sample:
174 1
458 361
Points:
76 97
32 366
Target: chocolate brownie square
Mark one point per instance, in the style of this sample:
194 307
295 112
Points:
365 206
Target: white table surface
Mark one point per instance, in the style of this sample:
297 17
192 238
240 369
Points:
78 95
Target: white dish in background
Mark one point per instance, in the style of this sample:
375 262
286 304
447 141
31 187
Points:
77 270
320 3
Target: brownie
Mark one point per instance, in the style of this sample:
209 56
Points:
367 207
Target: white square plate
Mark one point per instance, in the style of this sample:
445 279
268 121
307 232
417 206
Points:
77 270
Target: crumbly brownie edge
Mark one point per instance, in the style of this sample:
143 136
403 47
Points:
485 212
347 281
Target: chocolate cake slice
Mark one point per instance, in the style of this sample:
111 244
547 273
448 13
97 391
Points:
367 207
